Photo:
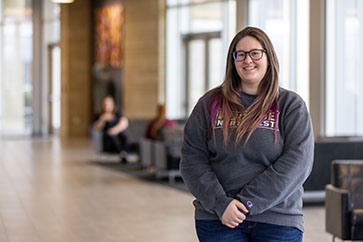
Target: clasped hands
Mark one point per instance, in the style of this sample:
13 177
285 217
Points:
232 216
107 117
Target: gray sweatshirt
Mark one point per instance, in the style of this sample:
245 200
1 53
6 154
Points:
267 177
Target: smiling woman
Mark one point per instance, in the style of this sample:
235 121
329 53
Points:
247 150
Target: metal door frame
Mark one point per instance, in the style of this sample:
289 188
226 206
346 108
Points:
187 38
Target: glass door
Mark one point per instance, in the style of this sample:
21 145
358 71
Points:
54 89
195 72
201 71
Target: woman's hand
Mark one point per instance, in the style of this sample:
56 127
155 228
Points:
100 122
113 131
107 117
121 126
232 216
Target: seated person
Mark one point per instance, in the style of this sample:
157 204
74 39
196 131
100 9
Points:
157 124
113 125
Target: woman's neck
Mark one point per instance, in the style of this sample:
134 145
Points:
251 90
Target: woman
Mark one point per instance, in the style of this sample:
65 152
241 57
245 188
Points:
113 126
247 150
157 124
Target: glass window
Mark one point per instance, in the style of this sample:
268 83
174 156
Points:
216 64
198 33
15 67
196 70
344 74
51 22
51 60
286 23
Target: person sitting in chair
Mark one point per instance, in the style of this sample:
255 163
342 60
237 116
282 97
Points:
113 125
158 123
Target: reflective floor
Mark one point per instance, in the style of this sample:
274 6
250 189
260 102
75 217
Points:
53 192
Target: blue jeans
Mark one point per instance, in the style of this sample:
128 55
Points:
215 231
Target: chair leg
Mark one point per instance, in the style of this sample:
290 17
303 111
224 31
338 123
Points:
335 237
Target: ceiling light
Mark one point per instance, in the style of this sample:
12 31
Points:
63 1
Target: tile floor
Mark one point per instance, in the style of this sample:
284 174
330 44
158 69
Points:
53 192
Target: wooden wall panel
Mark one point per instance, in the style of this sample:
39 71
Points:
141 79
75 69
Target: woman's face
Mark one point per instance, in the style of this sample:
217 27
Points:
108 105
250 71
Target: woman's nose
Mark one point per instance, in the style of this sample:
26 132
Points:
248 58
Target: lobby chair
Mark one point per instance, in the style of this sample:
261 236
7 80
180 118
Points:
165 165
146 152
344 200
96 140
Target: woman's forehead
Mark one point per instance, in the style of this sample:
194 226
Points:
248 43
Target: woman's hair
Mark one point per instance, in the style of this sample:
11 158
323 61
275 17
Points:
158 120
227 96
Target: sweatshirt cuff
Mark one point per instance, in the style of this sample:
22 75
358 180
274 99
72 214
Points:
249 204
221 204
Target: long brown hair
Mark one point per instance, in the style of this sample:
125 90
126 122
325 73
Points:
227 96
158 120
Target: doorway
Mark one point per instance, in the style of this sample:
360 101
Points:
203 65
54 88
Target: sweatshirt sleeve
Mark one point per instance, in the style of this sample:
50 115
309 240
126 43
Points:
195 167
288 173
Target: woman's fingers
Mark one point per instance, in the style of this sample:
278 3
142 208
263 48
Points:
238 220
232 216
241 206
240 216
232 225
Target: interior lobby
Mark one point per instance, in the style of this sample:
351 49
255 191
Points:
57 61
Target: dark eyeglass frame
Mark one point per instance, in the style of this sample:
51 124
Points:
249 53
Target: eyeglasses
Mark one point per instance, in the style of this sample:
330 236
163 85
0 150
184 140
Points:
255 54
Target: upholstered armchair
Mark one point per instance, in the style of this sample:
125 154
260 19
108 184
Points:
344 200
